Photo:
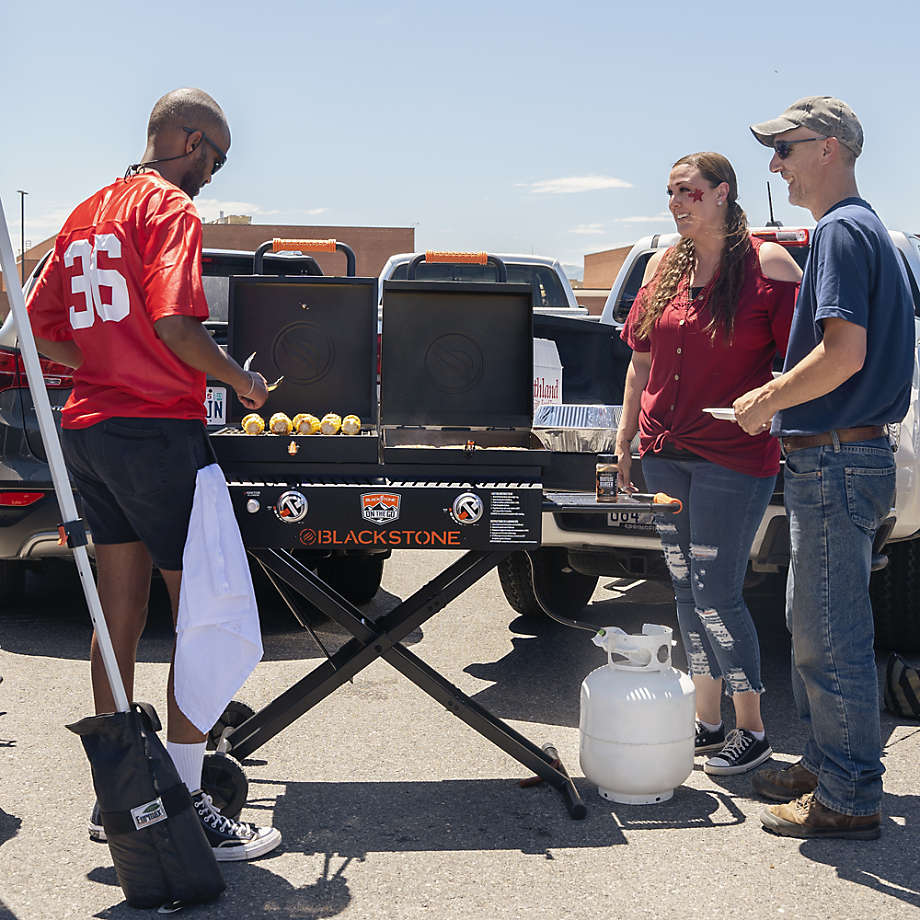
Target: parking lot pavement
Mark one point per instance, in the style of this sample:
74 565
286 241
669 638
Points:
391 808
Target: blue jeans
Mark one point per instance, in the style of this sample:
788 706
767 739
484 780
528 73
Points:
836 497
706 548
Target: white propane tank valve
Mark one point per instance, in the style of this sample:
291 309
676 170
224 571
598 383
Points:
637 722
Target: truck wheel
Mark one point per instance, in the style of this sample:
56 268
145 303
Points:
894 592
560 588
356 578
12 580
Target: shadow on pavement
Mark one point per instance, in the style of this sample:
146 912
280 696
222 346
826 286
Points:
888 865
705 811
9 826
55 623
355 819
539 680
253 890
348 821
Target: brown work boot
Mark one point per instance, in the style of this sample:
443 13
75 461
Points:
785 784
807 817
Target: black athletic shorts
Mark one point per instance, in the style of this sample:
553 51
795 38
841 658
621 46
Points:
136 477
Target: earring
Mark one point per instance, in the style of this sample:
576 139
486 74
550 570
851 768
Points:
720 202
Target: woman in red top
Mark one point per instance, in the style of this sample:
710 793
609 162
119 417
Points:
713 312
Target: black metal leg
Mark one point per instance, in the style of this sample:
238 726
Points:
489 726
381 639
370 641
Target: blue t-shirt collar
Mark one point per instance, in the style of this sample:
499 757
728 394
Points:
855 199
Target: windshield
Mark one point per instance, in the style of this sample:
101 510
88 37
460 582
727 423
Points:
545 286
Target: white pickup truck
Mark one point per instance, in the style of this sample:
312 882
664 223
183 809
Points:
552 292
577 549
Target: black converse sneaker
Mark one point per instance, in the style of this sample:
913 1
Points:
233 840
96 830
742 752
708 739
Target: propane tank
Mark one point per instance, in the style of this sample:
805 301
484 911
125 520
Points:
637 722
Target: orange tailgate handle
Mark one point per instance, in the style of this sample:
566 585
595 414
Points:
281 245
467 258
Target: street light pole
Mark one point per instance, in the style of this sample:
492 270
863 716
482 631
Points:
22 234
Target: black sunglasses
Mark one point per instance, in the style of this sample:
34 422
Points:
784 148
221 154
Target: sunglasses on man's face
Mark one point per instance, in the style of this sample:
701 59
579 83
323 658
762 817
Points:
221 154
784 148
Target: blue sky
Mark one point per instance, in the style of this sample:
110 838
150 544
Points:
518 126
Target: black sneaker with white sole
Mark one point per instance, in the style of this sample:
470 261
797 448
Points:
233 840
708 739
96 830
742 752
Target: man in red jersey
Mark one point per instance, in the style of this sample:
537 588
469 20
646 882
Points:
121 301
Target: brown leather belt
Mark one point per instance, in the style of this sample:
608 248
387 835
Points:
844 436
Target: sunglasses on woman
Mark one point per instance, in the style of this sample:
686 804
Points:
784 148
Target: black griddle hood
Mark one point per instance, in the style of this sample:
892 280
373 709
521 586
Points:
457 355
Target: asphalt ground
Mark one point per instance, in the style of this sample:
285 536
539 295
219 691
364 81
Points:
392 808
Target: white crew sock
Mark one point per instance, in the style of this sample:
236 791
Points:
758 735
189 759
711 727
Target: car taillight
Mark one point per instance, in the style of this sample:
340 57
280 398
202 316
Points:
787 237
9 368
19 499
13 372
57 376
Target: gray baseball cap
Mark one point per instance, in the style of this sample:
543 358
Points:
822 114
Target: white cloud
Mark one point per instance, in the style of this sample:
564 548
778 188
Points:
210 208
39 228
588 229
572 184
656 219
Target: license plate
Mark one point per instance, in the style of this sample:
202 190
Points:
215 402
637 520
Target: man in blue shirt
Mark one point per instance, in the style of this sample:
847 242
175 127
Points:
847 375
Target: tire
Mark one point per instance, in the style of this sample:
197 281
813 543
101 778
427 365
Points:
233 716
894 592
12 580
224 779
356 578
546 575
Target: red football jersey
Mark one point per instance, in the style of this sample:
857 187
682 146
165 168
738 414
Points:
125 258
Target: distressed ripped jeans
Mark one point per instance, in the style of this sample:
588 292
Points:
836 498
706 548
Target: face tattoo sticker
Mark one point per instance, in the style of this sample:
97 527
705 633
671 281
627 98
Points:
696 195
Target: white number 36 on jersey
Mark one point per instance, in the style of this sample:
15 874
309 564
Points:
92 279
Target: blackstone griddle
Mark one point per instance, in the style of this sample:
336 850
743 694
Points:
448 462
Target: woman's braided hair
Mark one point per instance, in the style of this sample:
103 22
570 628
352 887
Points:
723 299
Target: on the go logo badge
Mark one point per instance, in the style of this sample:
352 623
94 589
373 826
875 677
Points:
380 507
467 508
291 507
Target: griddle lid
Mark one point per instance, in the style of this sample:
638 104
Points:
457 355
320 333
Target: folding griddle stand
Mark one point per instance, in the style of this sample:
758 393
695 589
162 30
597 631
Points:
477 489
